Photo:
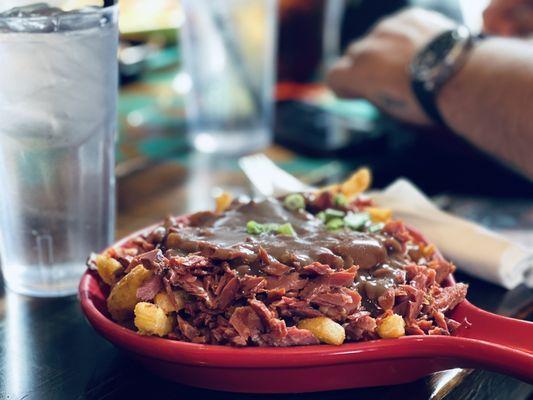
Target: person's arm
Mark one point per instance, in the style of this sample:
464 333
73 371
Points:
489 101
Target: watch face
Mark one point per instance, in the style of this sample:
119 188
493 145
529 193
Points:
428 64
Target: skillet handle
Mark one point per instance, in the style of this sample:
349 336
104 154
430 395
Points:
508 332
500 343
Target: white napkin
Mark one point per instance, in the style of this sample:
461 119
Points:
473 248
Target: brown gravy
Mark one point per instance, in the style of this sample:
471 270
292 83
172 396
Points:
225 237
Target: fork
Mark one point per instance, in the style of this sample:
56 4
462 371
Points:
269 179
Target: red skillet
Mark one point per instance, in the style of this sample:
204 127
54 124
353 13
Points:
492 342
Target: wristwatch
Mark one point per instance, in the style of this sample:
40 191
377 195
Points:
436 63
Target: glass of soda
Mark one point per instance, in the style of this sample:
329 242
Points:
229 58
58 93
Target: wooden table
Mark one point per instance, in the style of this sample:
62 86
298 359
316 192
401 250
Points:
48 350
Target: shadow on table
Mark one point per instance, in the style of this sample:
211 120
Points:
126 379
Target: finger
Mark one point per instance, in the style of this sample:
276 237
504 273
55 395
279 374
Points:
499 26
498 17
493 18
523 18
502 6
497 22
342 78
516 23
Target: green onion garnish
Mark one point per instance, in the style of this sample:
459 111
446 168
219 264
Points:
255 228
271 227
334 224
294 202
356 221
331 213
376 227
286 230
340 200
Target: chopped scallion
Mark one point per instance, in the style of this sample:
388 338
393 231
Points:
271 227
254 228
376 227
334 224
286 230
294 202
356 221
340 200
331 213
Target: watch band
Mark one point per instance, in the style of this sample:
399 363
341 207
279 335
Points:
447 53
427 100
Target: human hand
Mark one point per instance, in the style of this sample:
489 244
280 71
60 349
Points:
376 67
509 17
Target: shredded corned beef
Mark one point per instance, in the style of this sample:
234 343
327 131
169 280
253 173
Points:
361 326
317 268
243 289
293 337
150 288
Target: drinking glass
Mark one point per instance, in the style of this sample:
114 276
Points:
228 50
58 92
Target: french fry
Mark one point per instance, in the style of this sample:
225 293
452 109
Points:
357 183
428 250
163 301
151 320
222 202
391 327
378 214
123 296
108 268
325 329
334 188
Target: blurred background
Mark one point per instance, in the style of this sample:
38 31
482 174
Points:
312 129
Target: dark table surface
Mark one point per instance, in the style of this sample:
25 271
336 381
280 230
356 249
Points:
49 351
